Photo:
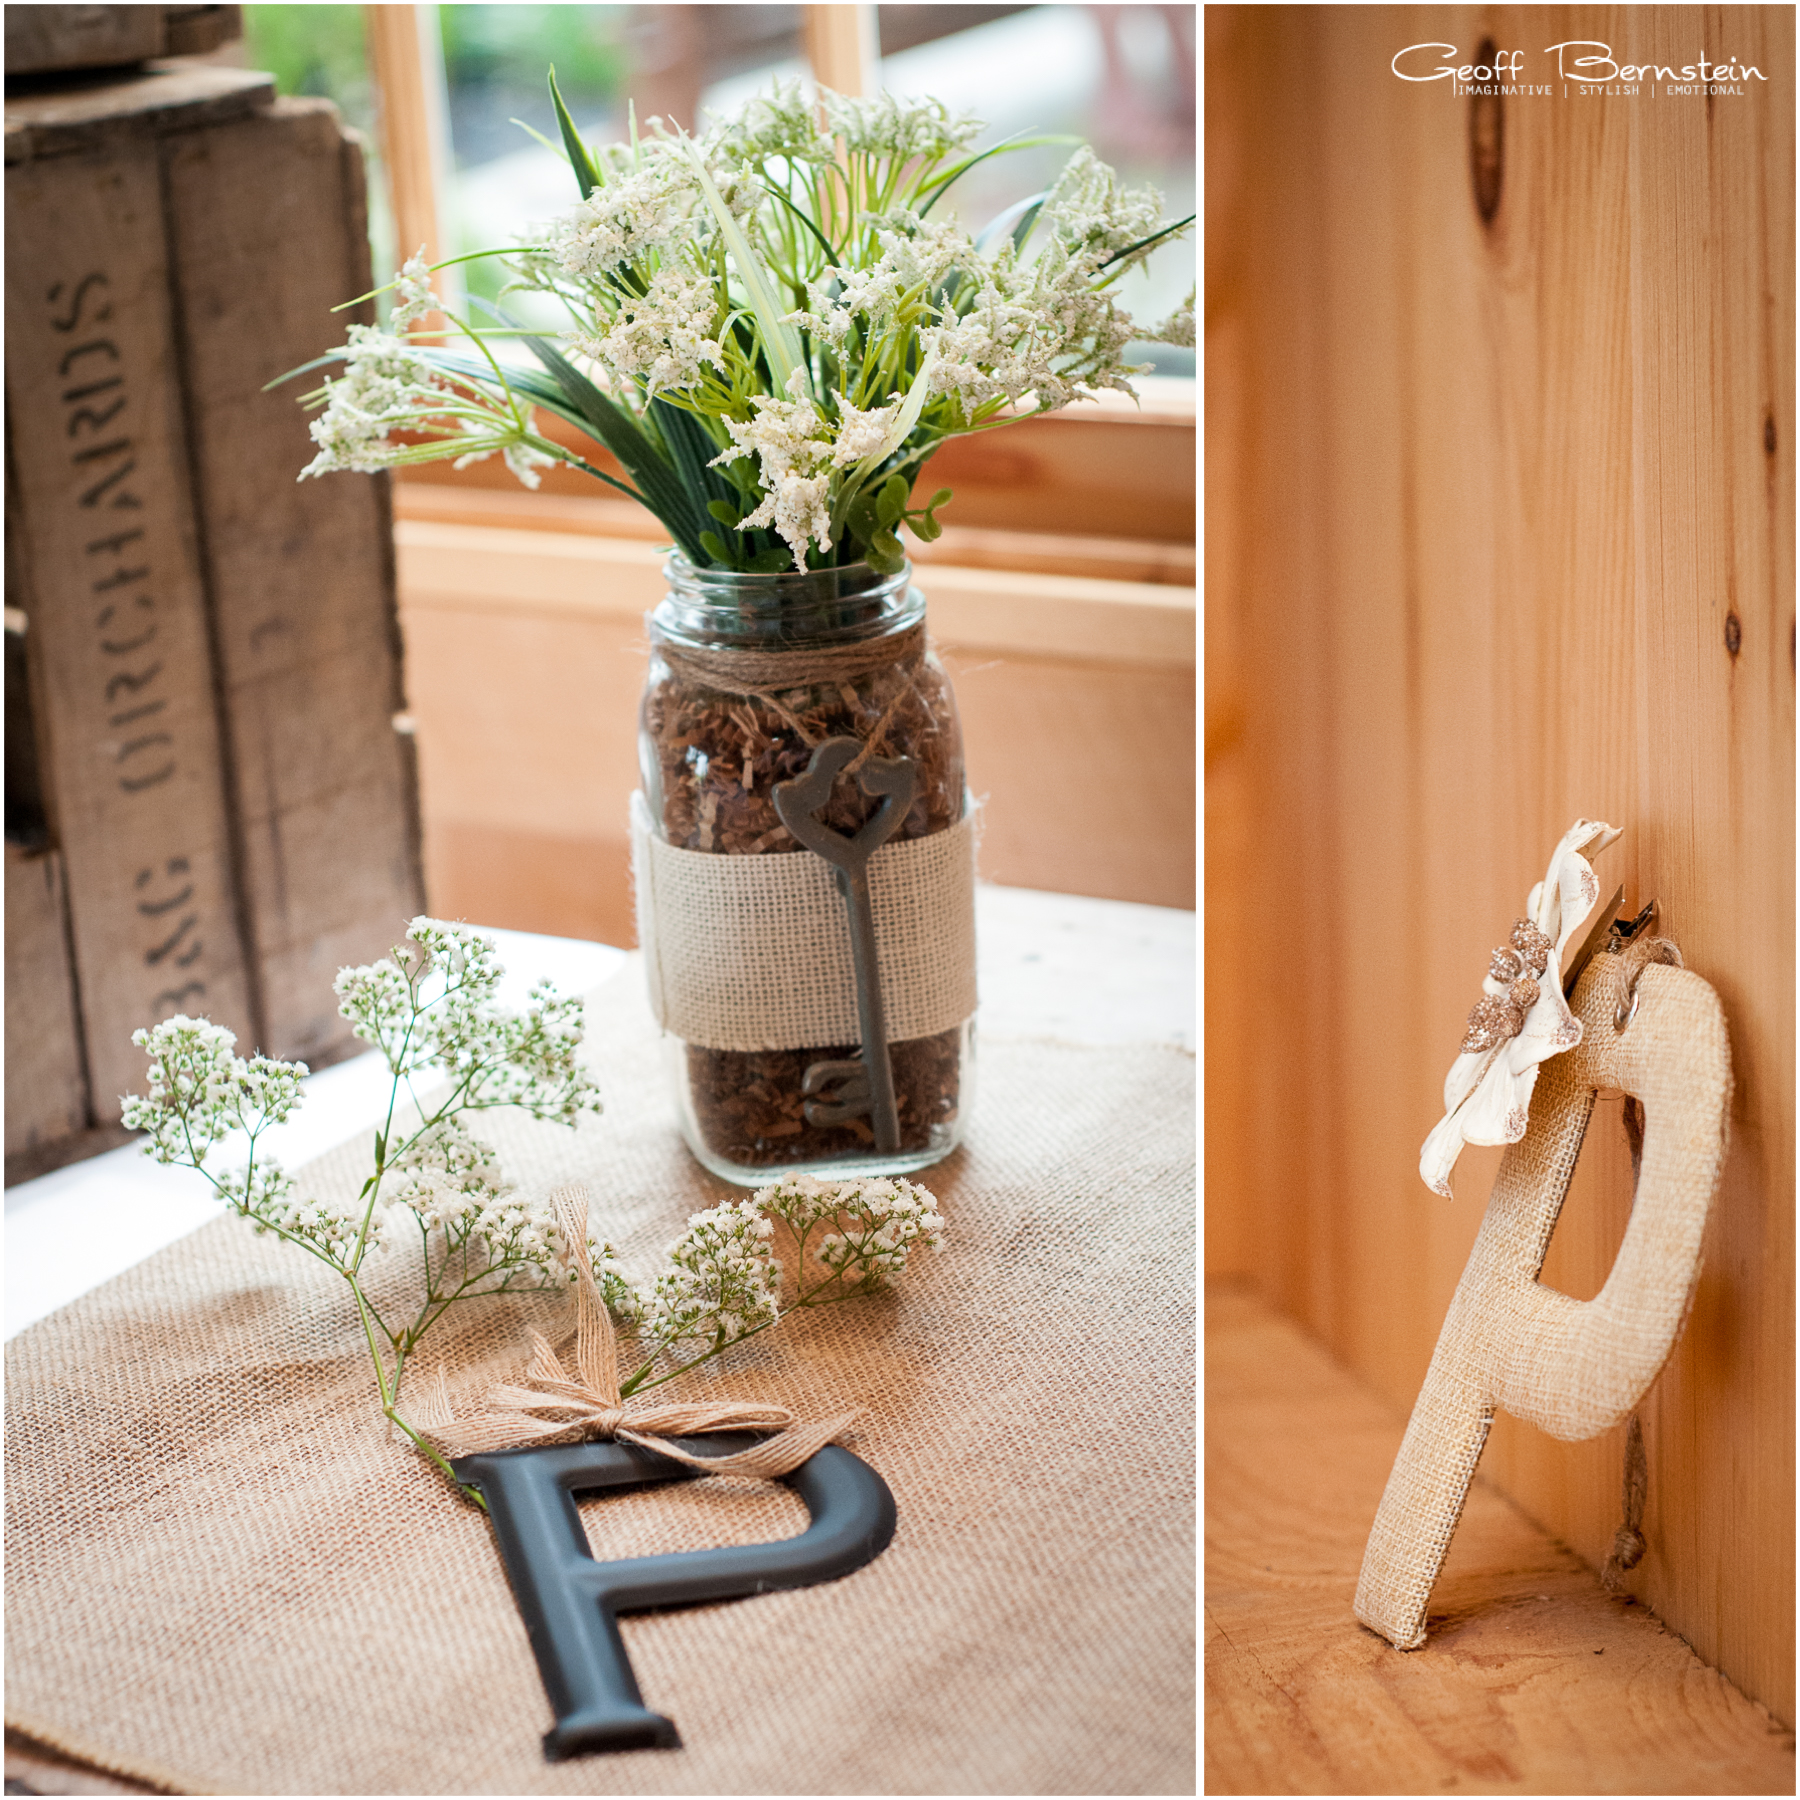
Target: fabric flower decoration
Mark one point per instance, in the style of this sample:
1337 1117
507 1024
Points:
1521 1018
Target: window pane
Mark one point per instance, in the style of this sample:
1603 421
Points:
1121 77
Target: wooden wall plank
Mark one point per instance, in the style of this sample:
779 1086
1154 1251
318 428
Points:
1516 518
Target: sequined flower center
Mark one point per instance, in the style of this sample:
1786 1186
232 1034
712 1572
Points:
1511 989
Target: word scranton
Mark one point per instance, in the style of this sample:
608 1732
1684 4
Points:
1595 68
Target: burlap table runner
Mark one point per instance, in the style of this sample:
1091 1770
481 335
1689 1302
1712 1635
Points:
221 1577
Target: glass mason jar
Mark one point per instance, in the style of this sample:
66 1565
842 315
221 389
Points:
748 674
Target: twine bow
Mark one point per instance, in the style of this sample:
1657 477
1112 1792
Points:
551 1406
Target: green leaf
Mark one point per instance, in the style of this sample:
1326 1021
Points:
926 527
892 501
936 187
771 562
884 554
532 131
862 519
830 249
690 450
1018 218
724 512
587 177
937 499
714 546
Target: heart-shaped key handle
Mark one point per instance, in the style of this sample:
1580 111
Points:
892 779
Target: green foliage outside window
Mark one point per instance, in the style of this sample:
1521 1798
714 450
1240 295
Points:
314 50
510 46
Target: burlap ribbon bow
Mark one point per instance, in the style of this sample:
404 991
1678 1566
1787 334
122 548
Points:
552 1407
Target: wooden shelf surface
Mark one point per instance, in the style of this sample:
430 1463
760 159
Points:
1534 1679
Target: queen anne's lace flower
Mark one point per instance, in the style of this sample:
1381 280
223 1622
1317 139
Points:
863 433
1091 213
1177 328
417 299
921 252
521 459
781 123
647 211
384 387
665 337
681 269
1522 1019
792 442
888 125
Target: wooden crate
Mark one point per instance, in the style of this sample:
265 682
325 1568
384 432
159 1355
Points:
43 40
212 650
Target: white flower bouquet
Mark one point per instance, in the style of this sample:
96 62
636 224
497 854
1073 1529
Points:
772 327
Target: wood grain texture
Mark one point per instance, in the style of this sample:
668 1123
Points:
46 1087
409 128
1510 517
1533 1681
118 632
842 47
300 574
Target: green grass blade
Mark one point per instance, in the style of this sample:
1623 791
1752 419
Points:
587 177
1019 218
306 368
831 255
781 344
937 186
643 461
532 131
1155 236
691 452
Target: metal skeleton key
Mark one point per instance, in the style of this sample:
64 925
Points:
844 1090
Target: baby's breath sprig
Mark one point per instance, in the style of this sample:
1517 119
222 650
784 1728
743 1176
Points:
721 1282
438 1190
430 1010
